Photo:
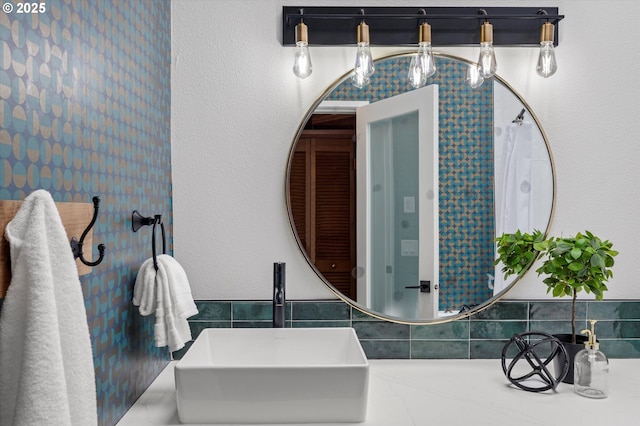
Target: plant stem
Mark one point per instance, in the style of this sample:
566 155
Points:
573 316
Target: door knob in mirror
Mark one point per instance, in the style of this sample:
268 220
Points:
425 286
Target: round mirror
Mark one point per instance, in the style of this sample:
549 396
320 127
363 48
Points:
395 194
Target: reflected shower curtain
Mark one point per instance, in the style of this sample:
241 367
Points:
514 203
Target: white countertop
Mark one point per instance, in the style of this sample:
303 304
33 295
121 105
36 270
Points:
448 392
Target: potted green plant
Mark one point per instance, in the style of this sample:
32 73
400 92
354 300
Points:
571 264
519 250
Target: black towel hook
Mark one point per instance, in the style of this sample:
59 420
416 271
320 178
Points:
520 117
138 221
76 246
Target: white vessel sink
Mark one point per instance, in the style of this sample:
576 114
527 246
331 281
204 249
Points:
273 375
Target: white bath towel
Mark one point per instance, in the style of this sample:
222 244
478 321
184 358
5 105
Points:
47 375
168 294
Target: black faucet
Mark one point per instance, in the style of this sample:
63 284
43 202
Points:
279 299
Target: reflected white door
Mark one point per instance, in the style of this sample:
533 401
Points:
397 181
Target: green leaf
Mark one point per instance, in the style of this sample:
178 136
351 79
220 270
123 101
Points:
558 291
597 261
541 246
576 252
575 266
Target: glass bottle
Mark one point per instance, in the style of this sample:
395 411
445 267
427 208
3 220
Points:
591 369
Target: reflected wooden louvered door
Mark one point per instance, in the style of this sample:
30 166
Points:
323 178
299 191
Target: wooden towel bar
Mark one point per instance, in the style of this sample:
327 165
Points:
75 217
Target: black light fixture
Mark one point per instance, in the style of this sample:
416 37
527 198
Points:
450 26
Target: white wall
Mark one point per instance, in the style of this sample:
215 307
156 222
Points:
236 107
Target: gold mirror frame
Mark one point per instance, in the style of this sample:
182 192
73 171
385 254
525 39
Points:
330 286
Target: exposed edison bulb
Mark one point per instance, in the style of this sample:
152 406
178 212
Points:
422 65
474 79
364 62
487 65
360 81
547 65
302 62
363 68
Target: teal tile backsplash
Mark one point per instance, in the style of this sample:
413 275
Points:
434 349
482 335
504 311
219 311
252 311
488 330
446 331
550 310
379 330
615 310
321 311
387 349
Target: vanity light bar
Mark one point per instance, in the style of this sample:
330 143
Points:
390 26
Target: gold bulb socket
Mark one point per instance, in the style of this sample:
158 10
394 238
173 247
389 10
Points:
302 33
486 33
425 33
546 33
363 33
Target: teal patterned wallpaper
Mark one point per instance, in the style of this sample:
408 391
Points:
465 172
84 111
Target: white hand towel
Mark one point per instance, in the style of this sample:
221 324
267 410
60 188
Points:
46 365
167 292
144 289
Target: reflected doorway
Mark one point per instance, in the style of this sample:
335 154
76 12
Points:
397 185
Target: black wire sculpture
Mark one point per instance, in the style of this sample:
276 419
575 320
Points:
76 245
538 350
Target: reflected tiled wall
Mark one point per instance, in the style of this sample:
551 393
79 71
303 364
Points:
84 111
480 336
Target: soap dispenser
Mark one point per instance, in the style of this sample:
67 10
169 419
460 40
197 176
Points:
591 368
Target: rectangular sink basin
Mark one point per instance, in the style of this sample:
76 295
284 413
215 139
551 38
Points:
273 375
